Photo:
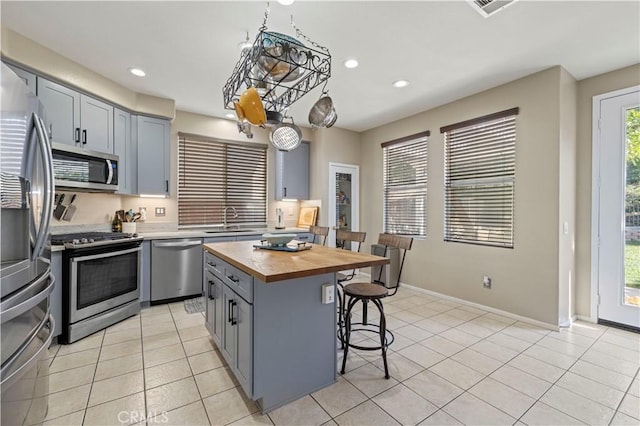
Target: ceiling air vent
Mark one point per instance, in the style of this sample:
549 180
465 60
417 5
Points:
488 7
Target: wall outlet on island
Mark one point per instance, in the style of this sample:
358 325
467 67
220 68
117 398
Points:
328 292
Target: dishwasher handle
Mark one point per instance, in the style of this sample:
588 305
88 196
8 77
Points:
179 244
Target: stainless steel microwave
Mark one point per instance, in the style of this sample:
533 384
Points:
80 169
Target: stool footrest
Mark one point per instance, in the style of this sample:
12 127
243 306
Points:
388 338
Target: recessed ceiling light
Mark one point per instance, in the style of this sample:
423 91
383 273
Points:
137 72
400 83
230 115
286 2
351 63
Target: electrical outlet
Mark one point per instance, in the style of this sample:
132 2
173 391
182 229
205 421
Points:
160 211
486 282
143 213
328 292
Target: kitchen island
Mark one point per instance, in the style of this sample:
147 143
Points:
265 312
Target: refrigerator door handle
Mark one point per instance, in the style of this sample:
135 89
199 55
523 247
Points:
10 309
47 210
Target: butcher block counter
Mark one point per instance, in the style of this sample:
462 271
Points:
271 265
269 314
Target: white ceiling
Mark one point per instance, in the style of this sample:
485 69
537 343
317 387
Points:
445 49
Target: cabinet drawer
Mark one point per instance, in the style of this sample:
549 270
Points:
214 264
240 282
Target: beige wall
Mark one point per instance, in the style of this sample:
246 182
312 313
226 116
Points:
567 198
587 89
330 145
525 279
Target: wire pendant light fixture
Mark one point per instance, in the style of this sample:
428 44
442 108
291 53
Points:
281 69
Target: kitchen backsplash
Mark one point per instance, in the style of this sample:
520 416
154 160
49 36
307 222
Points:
96 210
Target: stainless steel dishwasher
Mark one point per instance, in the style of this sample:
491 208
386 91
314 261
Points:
176 268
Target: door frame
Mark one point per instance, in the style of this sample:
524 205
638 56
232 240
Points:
355 206
595 194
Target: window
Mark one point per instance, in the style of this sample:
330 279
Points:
405 185
214 174
479 179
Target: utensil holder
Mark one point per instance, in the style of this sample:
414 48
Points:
129 227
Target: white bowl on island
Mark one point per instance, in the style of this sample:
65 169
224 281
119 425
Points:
278 239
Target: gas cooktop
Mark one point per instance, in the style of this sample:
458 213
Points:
90 239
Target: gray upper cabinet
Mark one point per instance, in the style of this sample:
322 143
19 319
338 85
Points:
63 111
292 173
96 120
126 150
77 119
153 155
28 78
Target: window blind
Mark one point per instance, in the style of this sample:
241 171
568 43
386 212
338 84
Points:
480 180
214 174
405 185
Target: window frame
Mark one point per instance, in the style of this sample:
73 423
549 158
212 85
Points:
413 191
480 181
231 184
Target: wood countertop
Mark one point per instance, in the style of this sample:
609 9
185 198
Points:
270 265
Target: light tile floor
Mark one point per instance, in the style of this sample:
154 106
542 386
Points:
450 364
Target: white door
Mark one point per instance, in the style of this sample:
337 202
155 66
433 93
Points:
344 186
617 152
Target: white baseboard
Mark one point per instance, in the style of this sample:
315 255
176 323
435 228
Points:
484 307
586 319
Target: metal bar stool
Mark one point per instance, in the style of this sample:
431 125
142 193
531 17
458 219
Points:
373 292
321 232
344 239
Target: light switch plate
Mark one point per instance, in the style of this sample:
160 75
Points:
328 293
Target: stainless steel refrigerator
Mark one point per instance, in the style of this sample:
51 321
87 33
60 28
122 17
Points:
26 282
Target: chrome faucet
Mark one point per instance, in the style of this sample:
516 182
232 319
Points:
224 215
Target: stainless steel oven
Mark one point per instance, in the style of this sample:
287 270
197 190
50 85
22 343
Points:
101 285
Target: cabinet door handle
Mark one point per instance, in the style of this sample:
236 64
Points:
166 182
213 265
77 134
233 316
211 289
84 136
234 279
285 191
229 309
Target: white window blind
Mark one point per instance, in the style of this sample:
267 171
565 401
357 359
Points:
214 174
480 179
405 185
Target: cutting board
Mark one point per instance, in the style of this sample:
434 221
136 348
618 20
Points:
307 216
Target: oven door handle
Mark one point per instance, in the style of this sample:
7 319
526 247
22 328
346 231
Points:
104 255
9 312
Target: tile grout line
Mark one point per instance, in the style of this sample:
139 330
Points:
617 409
95 371
557 380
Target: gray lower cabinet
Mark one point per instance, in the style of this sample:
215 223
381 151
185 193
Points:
292 173
237 340
153 156
229 317
125 148
77 119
